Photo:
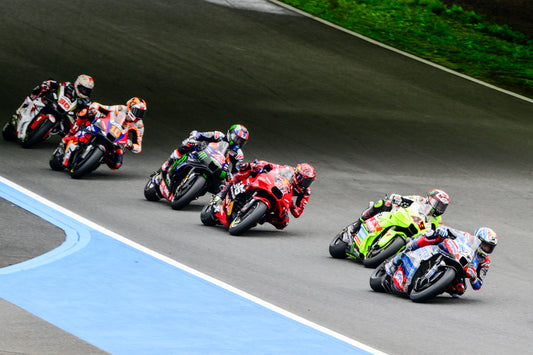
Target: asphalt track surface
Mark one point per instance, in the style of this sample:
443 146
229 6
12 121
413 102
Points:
370 120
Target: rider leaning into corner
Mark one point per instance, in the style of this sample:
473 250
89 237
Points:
236 137
79 91
475 271
301 178
134 111
434 205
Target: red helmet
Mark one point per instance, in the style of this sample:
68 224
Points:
438 200
304 175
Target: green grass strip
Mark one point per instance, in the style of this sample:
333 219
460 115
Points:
460 40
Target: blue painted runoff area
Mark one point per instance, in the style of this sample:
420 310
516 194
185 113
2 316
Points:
126 301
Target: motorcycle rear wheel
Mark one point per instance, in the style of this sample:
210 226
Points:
243 223
377 278
207 216
56 161
9 132
443 280
338 247
189 192
38 135
150 191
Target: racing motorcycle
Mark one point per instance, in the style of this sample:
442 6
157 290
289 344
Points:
203 170
250 201
38 119
381 236
429 271
102 138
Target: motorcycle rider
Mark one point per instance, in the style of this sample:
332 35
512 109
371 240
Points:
301 178
237 136
78 92
134 111
435 204
478 267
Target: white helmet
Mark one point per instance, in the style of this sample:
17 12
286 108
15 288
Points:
488 241
83 85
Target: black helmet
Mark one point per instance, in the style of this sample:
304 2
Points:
237 135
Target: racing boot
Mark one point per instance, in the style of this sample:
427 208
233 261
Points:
114 161
375 208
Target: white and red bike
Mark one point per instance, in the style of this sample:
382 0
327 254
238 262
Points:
36 120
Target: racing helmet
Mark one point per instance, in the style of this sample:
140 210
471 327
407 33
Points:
488 239
136 108
438 200
304 175
237 135
83 86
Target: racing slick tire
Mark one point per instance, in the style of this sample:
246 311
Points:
150 190
9 132
39 134
207 217
377 278
88 164
56 160
191 190
338 247
255 212
441 281
378 256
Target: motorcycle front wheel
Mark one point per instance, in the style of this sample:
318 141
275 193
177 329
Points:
38 135
252 216
190 190
87 164
438 284
376 256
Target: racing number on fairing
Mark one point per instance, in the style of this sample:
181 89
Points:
64 103
115 131
419 221
281 183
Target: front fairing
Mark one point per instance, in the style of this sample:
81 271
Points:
273 188
66 102
405 222
207 160
411 261
27 114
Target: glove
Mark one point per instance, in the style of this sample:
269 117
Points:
191 143
441 232
194 135
471 273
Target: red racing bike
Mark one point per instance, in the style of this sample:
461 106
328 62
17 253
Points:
251 201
